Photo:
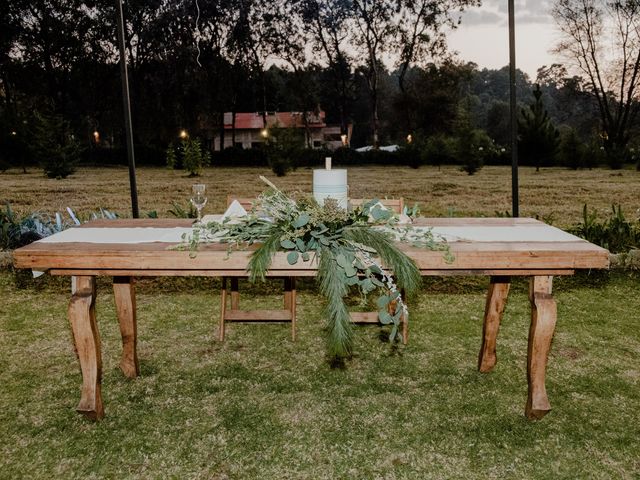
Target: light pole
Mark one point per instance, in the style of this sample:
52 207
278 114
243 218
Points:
513 112
127 112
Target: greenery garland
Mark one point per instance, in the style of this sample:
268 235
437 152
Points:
350 248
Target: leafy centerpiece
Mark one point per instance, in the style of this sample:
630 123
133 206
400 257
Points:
352 249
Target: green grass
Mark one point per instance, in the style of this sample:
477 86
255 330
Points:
259 406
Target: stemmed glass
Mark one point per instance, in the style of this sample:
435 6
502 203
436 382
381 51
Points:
198 198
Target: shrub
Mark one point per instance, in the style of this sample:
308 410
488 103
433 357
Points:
440 150
54 146
15 232
179 211
412 154
616 233
188 156
473 145
616 157
194 158
172 158
284 147
345 156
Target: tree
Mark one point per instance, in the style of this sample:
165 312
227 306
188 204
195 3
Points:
373 34
538 138
327 21
283 148
589 27
571 152
471 143
54 145
498 124
188 156
420 36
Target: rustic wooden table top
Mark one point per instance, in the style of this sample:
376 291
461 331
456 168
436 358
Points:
520 246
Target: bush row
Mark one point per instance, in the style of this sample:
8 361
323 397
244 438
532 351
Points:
439 151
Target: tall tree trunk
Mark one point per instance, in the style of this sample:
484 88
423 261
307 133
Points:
405 98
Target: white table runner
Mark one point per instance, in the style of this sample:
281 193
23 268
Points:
450 234
118 235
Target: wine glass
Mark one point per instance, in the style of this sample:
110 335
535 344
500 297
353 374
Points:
198 198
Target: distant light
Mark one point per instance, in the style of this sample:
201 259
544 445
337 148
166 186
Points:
183 134
343 137
409 138
96 136
264 133
14 133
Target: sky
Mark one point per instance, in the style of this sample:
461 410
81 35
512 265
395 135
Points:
483 35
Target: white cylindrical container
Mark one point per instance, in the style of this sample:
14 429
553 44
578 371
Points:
331 184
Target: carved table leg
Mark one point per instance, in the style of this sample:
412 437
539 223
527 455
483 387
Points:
494 307
125 297
82 316
543 323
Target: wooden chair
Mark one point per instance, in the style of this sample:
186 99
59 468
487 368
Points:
234 314
397 205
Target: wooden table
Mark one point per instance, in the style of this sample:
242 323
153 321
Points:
522 250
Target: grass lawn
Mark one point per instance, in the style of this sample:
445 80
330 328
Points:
554 194
262 407
259 406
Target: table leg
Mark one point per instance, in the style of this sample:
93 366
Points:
543 323
82 315
223 308
494 307
235 293
125 298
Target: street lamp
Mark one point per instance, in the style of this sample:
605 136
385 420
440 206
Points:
409 138
183 134
96 136
264 133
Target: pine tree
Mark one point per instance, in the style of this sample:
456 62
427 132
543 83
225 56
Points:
468 150
539 138
172 160
55 148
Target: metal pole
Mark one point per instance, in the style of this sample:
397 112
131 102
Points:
127 112
514 115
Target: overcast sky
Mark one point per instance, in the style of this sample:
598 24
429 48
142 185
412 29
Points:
483 36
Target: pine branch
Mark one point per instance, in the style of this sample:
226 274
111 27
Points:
262 257
334 290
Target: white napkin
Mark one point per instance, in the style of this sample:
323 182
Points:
234 211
